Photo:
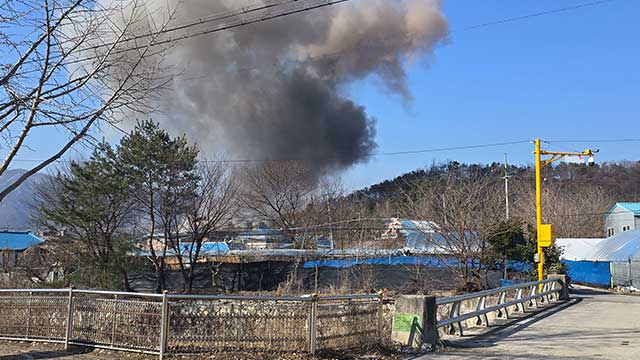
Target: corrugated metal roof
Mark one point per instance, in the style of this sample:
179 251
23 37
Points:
578 249
634 207
18 240
621 247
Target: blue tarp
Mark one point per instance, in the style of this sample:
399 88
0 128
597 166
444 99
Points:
392 260
434 261
208 248
589 272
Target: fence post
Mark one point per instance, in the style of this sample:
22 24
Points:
313 318
381 316
164 319
69 328
114 319
26 336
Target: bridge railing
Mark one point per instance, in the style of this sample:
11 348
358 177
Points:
419 320
521 296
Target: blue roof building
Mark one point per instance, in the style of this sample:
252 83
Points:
18 241
623 216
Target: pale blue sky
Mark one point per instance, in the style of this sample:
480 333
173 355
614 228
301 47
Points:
571 75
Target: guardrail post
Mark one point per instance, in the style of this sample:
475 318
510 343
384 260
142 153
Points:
519 306
548 297
502 298
544 298
313 319
164 320
532 292
479 307
454 313
69 327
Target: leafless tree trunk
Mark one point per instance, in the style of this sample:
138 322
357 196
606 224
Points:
213 206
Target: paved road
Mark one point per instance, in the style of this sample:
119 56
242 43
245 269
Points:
593 325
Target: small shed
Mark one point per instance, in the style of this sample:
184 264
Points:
12 244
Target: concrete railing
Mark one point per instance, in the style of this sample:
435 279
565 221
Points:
166 324
418 319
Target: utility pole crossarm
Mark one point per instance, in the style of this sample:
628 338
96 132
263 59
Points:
558 155
546 232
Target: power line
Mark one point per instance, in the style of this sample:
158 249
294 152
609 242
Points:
497 22
200 21
376 154
300 7
396 153
593 141
258 7
538 14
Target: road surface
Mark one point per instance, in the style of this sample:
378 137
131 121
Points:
593 325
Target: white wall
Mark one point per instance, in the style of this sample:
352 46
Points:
619 218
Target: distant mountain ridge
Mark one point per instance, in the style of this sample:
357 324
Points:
16 210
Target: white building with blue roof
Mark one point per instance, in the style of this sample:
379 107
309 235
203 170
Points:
623 216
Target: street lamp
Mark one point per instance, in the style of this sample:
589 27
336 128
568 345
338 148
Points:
546 232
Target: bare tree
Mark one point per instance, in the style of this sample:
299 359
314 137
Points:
278 192
463 210
68 65
212 207
576 210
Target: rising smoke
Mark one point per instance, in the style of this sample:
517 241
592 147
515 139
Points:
274 90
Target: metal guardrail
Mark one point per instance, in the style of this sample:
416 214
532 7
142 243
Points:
522 295
167 324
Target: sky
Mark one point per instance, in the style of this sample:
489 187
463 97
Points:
566 76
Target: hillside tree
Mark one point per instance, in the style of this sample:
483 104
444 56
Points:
164 183
90 212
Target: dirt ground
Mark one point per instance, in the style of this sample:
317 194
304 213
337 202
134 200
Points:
10 350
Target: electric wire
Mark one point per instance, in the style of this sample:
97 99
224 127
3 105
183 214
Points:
375 154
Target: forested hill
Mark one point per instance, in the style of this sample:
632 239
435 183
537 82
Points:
620 180
16 210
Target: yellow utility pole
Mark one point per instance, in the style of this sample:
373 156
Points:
546 232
